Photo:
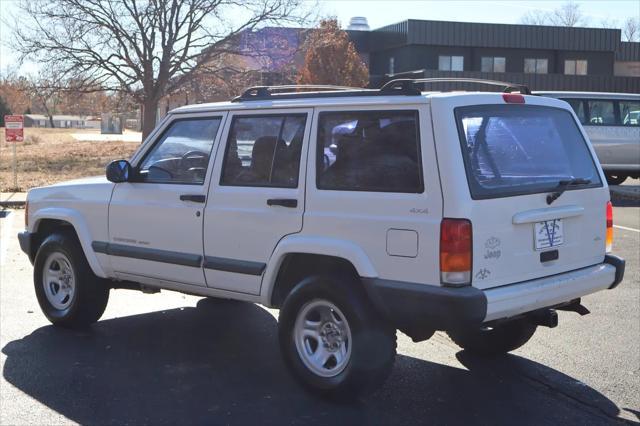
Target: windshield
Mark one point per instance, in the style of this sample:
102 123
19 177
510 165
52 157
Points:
524 149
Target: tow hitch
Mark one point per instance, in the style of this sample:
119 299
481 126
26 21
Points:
575 306
548 317
545 318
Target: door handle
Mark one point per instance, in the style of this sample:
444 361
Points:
193 197
284 202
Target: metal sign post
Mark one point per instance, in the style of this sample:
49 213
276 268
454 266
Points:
14 132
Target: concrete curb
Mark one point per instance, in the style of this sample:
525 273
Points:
12 204
13 199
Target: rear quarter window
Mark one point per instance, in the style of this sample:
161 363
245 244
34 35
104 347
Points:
513 150
376 151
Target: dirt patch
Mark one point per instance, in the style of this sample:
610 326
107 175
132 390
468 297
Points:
53 155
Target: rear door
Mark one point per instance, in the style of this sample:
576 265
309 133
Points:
507 158
256 196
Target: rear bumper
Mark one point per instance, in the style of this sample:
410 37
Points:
417 307
516 299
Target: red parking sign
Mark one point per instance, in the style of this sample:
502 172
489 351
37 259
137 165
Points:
14 128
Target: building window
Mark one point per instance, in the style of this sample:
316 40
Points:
536 66
451 63
493 64
392 65
575 67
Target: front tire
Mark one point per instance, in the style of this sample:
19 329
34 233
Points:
332 340
496 340
68 292
615 179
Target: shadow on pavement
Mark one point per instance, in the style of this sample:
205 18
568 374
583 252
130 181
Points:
219 363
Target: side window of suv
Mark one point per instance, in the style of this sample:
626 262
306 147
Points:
601 112
182 154
264 151
376 151
630 113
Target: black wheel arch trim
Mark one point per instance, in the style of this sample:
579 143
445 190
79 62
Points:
27 244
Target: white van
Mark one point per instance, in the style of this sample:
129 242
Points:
612 121
355 212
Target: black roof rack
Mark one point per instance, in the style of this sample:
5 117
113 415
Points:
256 93
408 85
401 87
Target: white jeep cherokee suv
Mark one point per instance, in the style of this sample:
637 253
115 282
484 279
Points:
356 212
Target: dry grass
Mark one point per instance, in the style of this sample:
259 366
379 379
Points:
53 155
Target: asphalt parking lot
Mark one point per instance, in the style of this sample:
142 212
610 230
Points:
173 359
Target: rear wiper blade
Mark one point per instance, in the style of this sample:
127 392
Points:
563 185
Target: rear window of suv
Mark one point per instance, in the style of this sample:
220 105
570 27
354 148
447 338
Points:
513 150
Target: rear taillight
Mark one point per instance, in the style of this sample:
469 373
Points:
455 252
609 240
26 214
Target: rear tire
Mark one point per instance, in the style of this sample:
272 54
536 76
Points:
496 340
68 292
615 179
332 340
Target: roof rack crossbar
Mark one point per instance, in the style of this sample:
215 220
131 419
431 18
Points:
407 85
400 87
265 92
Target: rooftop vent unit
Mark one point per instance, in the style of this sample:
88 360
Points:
358 23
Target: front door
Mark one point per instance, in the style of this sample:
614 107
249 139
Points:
155 221
256 196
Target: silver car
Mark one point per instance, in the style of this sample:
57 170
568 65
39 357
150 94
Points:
612 122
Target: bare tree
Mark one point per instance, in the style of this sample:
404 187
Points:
535 17
146 48
631 29
46 93
567 15
609 23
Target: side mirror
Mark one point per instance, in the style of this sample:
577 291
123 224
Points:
119 171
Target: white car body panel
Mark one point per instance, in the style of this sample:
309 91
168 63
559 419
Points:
84 204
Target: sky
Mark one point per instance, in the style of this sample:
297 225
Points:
384 12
